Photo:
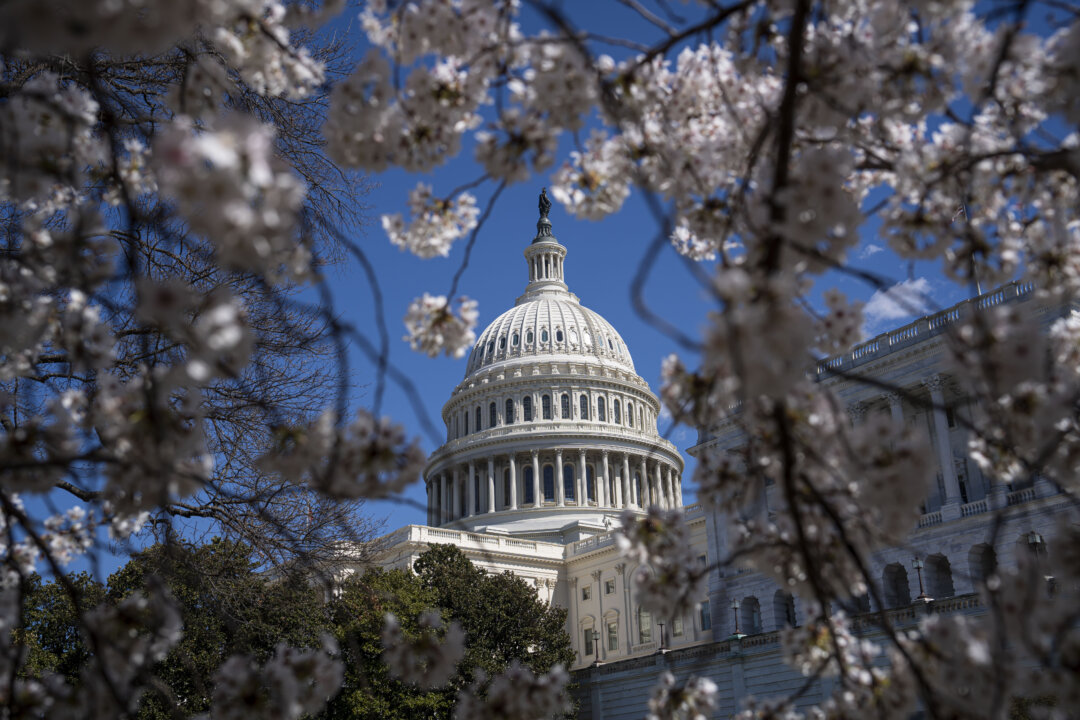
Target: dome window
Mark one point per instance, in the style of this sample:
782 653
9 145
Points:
558 335
565 402
479 419
586 336
502 343
526 408
529 337
543 335
573 335
545 403
601 411
584 407
514 340
617 413
610 346
630 414
492 416
491 349
508 418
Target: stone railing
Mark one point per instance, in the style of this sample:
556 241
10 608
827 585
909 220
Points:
974 508
930 518
1020 496
471 541
594 429
922 329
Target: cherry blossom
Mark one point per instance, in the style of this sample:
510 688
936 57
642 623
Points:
433 328
431 658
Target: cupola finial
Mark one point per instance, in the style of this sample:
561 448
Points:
543 225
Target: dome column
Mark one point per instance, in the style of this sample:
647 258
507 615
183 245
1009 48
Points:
470 490
583 481
455 497
513 483
669 490
538 499
443 505
678 489
560 485
628 498
491 484
661 496
644 502
603 498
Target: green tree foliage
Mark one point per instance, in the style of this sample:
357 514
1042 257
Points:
228 607
50 630
502 615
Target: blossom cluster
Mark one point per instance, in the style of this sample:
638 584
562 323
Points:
431 658
669 579
434 329
516 694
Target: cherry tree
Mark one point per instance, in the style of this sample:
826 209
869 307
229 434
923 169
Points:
765 135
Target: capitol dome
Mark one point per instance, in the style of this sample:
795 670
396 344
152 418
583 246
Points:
552 433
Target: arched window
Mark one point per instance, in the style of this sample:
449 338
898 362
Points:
590 483
644 623
502 343
506 488
601 411
565 406
558 335
508 417
530 497
630 414
784 609
529 337
894 581
583 407
545 403
514 340
526 407
491 349
610 346
568 482
939 582
479 419
983 563
751 615
493 416
543 335
617 412
549 483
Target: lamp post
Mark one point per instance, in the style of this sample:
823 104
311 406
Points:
918 565
736 635
1036 544
596 647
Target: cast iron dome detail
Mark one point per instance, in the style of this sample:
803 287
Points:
551 434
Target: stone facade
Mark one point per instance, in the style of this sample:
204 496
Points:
552 435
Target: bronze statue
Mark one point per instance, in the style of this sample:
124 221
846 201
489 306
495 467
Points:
545 204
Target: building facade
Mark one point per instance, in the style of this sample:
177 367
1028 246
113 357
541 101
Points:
552 435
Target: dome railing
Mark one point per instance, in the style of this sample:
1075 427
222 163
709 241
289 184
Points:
592 429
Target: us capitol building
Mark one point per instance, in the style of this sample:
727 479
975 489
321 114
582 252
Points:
552 435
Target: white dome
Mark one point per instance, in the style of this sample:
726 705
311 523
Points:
559 328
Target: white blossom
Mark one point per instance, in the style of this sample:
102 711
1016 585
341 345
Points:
430 658
433 328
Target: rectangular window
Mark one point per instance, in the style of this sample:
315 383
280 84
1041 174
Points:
588 641
676 627
706 616
644 626
613 636
586 592
609 587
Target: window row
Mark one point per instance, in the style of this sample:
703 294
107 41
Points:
488 352
647 630
477 420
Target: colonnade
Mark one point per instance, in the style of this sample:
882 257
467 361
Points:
559 477
934 386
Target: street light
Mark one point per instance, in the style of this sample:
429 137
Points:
596 647
918 565
736 635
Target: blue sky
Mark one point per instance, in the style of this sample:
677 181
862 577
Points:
602 259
